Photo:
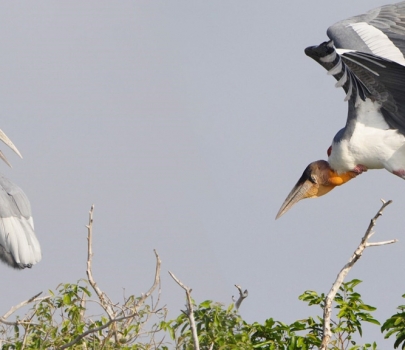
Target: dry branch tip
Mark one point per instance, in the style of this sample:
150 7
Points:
327 312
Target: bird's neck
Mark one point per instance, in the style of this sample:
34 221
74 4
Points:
336 179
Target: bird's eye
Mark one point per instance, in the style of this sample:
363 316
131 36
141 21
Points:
329 151
313 179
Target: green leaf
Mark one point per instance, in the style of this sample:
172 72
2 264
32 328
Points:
205 304
372 320
67 299
367 307
230 308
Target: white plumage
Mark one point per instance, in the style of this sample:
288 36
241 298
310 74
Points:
378 42
372 144
366 57
19 247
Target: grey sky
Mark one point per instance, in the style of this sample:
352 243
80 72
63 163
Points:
187 124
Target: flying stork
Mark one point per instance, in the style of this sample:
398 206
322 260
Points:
366 55
19 247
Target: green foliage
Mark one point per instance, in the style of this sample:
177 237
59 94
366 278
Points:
223 328
395 325
61 319
278 335
215 324
352 311
308 333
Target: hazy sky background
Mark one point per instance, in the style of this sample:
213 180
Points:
187 124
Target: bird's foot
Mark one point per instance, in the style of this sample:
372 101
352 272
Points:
359 169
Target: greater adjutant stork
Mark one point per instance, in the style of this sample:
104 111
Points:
365 55
19 247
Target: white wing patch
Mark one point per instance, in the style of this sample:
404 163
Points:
378 42
18 238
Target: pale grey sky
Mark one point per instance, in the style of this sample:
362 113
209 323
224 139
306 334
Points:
187 124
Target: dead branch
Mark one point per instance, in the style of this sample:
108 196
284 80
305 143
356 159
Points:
145 296
327 334
123 318
155 283
105 302
26 329
242 296
20 305
189 311
93 330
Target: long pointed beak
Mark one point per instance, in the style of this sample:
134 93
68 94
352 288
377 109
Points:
300 191
9 143
317 180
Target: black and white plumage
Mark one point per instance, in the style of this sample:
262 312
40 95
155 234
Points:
19 247
365 55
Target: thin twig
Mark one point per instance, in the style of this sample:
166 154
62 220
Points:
102 297
132 315
189 312
93 330
104 300
20 305
242 296
156 283
377 244
25 338
327 311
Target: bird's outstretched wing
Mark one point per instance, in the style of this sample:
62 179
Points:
380 32
363 75
19 246
369 60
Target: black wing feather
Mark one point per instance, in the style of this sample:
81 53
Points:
387 87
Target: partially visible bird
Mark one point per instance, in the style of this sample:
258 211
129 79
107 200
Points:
366 57
19 247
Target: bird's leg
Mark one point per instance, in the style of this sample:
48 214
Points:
359 169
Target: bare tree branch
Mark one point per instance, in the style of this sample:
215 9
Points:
155 283
105 302
377 244
145 296
189 312
20 305
92 330
242 296
26 328
130 316
327 334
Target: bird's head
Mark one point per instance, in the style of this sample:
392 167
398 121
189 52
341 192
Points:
317 179
7 141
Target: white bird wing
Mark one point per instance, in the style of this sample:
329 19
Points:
380 32
19 246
